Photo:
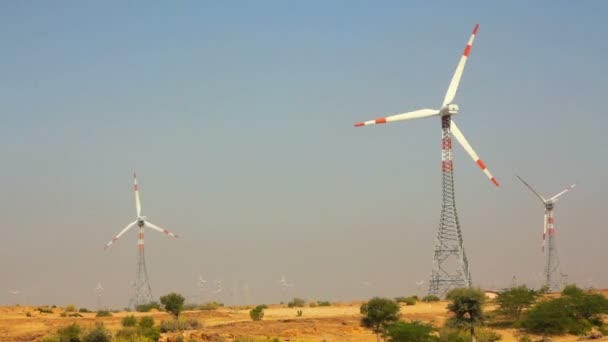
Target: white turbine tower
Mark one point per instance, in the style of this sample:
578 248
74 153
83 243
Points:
285 285
142 292
553 277
98 293
450 265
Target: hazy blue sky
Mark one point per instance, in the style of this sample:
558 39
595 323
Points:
238 117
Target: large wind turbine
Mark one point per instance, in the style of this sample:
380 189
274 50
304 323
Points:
142 293
449 246
553 277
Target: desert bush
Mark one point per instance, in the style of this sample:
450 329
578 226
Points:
98 334
313 304
75 314
190 306
176 324
410 332
147 307
406 300
63 314
83 310
448 334
71 333
129 321
548 318
213 305
299 313
430 298
103 313
324 303
379 313
70 308
146 322
44 310
297 302
257 313
28 314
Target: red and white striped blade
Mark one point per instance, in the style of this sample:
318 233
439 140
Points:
451 93
467 147
159 229
115 238
534 191
563 192
137 200
417 114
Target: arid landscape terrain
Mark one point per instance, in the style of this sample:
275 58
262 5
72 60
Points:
338 322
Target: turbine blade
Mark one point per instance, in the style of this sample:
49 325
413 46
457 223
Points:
159 229
417 114
451 93
137 201
467 147
534 191
563 192
115 238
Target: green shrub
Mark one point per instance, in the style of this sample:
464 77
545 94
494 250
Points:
147 307
129 321
213 305
257 313
28 314
297 302
98 334
70 308
324 303
513 301
103 313
548 318
299 313
83 310
410 332
430 298
45 310
63 314
75 314
146 322
406 300
71 333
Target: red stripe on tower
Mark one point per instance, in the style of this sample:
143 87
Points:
380 121
475 29
481 164
467 51
359 124
551 220
165 231
495 181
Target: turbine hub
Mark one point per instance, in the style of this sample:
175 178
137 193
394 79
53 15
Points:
449 109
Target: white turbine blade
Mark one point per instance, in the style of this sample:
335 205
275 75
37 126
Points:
534 191
137 201
417 114
467 147
563 192
159 229
451 93
129 226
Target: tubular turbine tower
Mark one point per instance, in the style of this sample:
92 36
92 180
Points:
450 264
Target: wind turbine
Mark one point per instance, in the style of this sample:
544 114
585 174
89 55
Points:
142 292
202 284
449 244
553 277
285 285
98 293
16 294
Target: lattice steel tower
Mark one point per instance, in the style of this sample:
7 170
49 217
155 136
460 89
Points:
142 292
450 264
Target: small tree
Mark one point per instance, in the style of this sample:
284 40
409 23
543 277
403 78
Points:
98 334
511 302
379 313
129 321
257 313
173 303
410 332
467 307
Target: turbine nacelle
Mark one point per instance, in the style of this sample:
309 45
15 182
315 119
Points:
449 109
141 221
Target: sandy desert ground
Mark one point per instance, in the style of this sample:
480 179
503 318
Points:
339 322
